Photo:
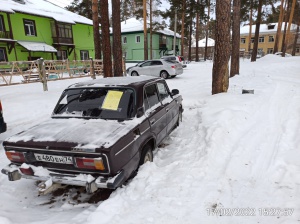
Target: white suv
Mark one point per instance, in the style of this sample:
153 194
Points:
179 59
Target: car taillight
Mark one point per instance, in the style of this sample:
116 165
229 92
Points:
15 156
0 107
173 66
27 171
179 59
90 163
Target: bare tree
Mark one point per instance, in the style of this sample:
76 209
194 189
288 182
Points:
107 63
258 19
279 25
96 29
220 76
235 46
117 45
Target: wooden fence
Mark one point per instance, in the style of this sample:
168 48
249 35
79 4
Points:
18 72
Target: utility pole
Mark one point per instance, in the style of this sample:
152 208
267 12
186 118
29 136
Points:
175 26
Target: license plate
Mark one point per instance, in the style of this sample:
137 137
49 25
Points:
54 159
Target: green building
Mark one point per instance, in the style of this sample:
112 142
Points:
133 41
31 29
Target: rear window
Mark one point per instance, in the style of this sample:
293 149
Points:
102 103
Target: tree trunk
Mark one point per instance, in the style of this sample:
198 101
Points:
206 32
96 29
220 76
197 33
295 40
117 45
182 26
145 30
258 19
279 27
151 56
250 26
235 46
190 39
107 63
283 46
288 36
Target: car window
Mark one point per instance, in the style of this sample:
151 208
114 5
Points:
162 91
103 103
148 63
151 96
156 63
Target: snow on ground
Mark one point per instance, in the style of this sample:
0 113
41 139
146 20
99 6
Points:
232 151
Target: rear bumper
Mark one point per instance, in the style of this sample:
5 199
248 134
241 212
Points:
85 180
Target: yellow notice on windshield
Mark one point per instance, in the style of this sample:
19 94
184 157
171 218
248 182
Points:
112 100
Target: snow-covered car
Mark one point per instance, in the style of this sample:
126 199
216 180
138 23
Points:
2 123
159 68
280 54
100 132
179 59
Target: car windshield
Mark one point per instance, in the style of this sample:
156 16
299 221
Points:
101 103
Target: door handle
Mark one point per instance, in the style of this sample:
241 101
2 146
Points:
167 109
152 121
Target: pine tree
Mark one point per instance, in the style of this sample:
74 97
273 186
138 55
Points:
96 29
257 25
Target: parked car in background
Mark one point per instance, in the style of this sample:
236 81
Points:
100 132
3 126
179 59
281 53
159 68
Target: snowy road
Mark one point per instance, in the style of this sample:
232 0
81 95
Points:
233 153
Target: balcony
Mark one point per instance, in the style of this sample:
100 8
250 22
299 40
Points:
63 40
5 35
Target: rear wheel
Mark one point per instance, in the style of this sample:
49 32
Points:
173 76
164 74
134 73
147 155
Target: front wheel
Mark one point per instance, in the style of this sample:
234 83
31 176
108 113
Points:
164 74
134 73
179 117
147 155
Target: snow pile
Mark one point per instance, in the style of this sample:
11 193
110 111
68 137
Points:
232 151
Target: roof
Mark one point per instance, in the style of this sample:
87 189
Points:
115 81
43 8
37 46
201 43
263 28
134 25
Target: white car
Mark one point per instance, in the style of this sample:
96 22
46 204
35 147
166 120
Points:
159 68
280 54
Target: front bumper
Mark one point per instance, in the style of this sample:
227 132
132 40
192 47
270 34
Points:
41 174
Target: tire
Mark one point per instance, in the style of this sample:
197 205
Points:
173 76
179 117
134 73
147 155
164 74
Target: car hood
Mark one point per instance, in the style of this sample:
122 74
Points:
80 132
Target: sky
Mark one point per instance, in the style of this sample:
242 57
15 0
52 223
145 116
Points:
233 159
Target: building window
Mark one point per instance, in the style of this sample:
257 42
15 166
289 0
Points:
3 54
297 49
65 30
124 40
270 51
137 39
84 55
243 40
61 55
261 39
2 28
29 26
271 38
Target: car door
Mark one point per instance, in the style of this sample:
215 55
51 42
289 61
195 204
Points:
145 68
156 67
170 105
155 112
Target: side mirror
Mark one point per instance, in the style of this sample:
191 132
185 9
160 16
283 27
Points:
175 92
140 112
